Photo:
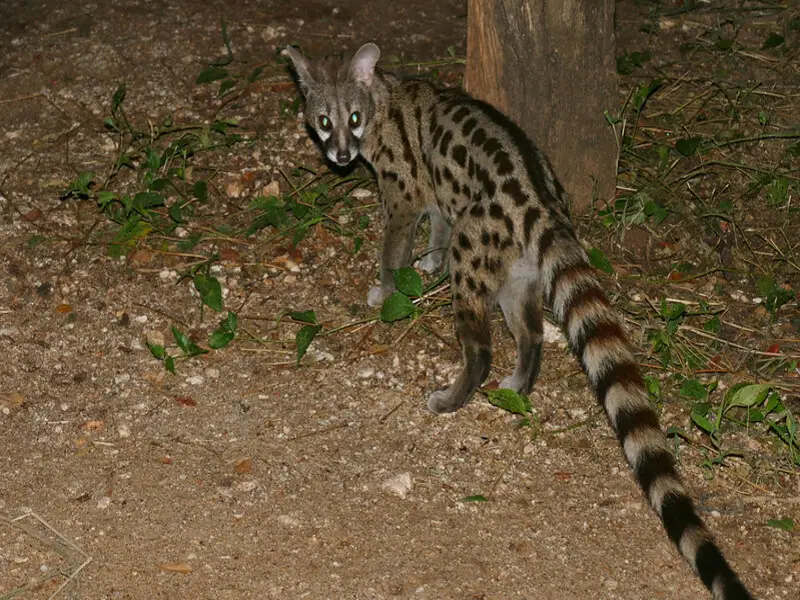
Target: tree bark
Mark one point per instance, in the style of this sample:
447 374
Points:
550 65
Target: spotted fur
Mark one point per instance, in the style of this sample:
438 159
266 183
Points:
493 200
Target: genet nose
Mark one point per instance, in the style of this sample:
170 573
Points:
343 157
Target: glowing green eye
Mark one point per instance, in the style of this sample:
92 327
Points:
355 119
325 123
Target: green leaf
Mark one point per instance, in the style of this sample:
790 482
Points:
475 498
784 524
510 401
644 92
188 347
225 333
175 212
700 418
304 316
688 146
408 282
200 190
304 337
146 200
773 41
225 87
220 338
169 364
748 396
211 74
599 260
691 388
159 184
210 291
157 350
118 98
397 306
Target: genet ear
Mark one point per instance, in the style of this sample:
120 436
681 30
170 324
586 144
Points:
301 65
362 67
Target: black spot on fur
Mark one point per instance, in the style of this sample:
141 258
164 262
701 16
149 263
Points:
459 115
479 136
460 154
476 263
408 155
447 174
509 224
436 135
491 146
503 162
513 189
471 283
468 126
496 211
544 244
485 237
456 254
477 210
446 139
532 215
389 175
434 123
456 187
464 242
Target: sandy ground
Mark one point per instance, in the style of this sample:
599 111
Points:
244 476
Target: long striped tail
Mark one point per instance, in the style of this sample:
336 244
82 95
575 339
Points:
597 338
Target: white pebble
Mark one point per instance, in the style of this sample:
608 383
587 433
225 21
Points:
195 380
399 485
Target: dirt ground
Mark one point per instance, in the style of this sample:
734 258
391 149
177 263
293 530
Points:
243 476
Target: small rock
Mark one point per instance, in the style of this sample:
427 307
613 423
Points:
247 486
122 378
399 485
140 318
361 193
195 380
289 521
366 373
104 502
212 373
124 430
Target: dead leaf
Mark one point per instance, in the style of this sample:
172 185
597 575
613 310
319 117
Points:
186 400
230 254
273 188
248 176
182 568
12 400
244 466
167 460
93 425
32 215
64 308
140 257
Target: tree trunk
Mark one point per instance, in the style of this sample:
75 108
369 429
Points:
550 65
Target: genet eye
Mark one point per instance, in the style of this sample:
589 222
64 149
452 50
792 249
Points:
325 123
355 119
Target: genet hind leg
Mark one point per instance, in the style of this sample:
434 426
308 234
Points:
520 299
438 241
472 328
471 305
